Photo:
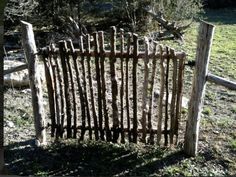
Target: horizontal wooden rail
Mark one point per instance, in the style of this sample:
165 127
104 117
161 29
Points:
154 131
221 81
118 54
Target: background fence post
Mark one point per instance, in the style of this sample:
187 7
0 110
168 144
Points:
35 81
204 43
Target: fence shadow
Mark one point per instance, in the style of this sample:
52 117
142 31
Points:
88 159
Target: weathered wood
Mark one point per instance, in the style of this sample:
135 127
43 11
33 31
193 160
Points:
16 69
81 94
127 86
60 115
160 101
52 58
122 86
35 81
73 91
103 81
141 54
179 97
150 109
167 97
99 88
88 50
221 81
63 50
114 86
50 89
2 162
173 98
145 93
134 71
204 43
85 85
139 130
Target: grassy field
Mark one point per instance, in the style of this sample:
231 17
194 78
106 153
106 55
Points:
217 146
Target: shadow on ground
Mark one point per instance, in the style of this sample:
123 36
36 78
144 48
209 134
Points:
88 159
221 16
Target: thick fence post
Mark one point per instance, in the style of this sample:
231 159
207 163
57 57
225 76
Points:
205 37
35 81
2 5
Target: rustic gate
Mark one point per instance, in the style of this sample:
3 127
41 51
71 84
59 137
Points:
126 88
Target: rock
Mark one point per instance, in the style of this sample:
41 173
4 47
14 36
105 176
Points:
9 124
184 99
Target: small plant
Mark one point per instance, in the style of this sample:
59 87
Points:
233 144
233 109
207 111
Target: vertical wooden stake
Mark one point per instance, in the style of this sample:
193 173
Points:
160 103
81 94
205 38
50 89
85 86
63 51
127 86
103 80
35 81
2 163
61 115
122 86
99 87
173 98
91 87
179 97
56 84
167 97
152 82
145 92
114 87
73 91
135 109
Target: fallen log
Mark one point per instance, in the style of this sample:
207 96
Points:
16 69
221 81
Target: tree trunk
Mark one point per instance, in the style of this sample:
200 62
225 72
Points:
35 82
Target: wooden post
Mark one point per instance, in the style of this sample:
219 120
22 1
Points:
85 86
114 86
81 94
167 97
103 82
160 102
88 50
99 87
151 101
145 92
35 82
198 88
127 85
173 98
2 5
63 51
50 90
122 86
134 71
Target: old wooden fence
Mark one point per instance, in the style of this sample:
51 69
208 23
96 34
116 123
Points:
119 91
